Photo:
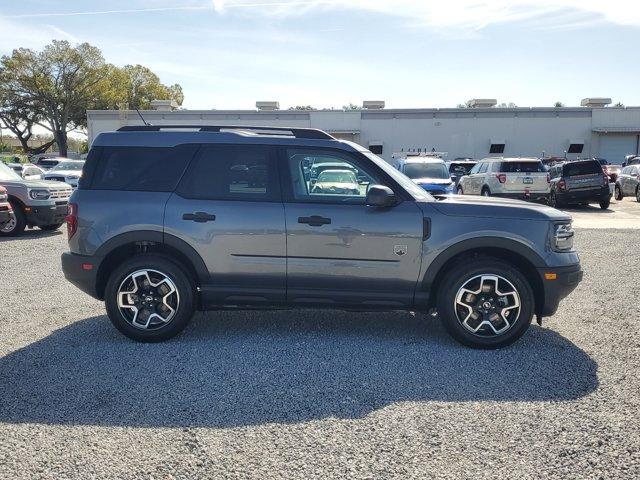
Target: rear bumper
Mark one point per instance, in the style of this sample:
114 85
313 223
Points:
566 280
46 215
535 196
594 195
75 270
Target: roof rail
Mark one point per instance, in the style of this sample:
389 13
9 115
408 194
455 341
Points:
309 133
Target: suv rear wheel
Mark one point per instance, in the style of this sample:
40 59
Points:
486 192
16 224
638 194
487 304
604 204
149 298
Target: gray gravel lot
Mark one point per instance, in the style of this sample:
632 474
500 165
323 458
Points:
321 395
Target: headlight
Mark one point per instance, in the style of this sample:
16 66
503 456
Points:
39 194
563 237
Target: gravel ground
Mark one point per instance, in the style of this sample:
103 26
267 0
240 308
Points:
321 395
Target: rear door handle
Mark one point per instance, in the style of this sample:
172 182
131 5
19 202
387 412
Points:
199 217
314 220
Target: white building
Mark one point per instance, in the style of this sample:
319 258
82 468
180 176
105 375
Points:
588 131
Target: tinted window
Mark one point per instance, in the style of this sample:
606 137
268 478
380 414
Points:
475 168
581 168
231 172
522 167
145 169
483 167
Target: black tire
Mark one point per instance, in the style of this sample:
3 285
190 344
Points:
604 204
460 191
461 274
638 194
20 222
50 228
485 192
618 193
181 279
554 201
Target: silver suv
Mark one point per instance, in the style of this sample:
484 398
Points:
168 220
39 203
521 178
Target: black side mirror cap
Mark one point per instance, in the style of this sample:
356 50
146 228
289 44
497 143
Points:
380 196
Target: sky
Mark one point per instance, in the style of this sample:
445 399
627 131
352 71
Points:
227 54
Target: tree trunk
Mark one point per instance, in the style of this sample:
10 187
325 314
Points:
61 141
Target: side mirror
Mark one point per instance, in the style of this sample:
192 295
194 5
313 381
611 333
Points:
380 196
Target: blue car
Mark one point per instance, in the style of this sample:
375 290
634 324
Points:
430 172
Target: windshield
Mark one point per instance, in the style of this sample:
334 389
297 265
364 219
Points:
426 170
68 166
333 176
581 168
6 173
404 181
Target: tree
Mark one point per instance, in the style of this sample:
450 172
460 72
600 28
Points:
54 88
302 108
17 118
619 104
352 106
558 105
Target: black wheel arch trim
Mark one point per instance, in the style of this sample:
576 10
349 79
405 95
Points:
161 238
474 244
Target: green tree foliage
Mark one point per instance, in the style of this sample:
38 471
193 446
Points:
55 87
558 105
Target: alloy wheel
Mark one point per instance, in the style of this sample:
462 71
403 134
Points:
10 225
148 299
487 305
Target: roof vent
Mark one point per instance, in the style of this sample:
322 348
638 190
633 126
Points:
163 105
373 104
595 102
482 102
268 106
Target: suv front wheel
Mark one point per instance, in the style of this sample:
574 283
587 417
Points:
149 298
487 303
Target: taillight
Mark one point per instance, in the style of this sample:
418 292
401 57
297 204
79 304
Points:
502 178
72 219
562 185
605 181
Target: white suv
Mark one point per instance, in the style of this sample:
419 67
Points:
522 178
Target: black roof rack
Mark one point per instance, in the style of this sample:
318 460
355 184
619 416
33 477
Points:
309 133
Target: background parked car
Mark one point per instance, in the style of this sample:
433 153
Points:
5 208
27 171
580 182
460 167
430 172
47 163
68 171
628 183
336 182
520 178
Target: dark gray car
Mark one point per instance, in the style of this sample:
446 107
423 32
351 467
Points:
161 226
628 183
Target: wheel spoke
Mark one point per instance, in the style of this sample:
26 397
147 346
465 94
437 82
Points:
487 305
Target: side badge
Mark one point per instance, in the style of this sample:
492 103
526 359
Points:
400 250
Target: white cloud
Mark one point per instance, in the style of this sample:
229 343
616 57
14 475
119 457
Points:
472 14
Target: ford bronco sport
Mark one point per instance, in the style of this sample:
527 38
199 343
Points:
162 224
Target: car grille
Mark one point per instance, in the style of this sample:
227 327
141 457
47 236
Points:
62 194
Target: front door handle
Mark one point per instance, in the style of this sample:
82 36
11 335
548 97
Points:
199 217
314 220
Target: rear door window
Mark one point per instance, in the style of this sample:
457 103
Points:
144 169
232 172
581 168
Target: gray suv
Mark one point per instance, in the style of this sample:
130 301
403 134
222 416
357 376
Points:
172 219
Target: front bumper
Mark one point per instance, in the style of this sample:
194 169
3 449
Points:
555 289
75 270
599 194
49 215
